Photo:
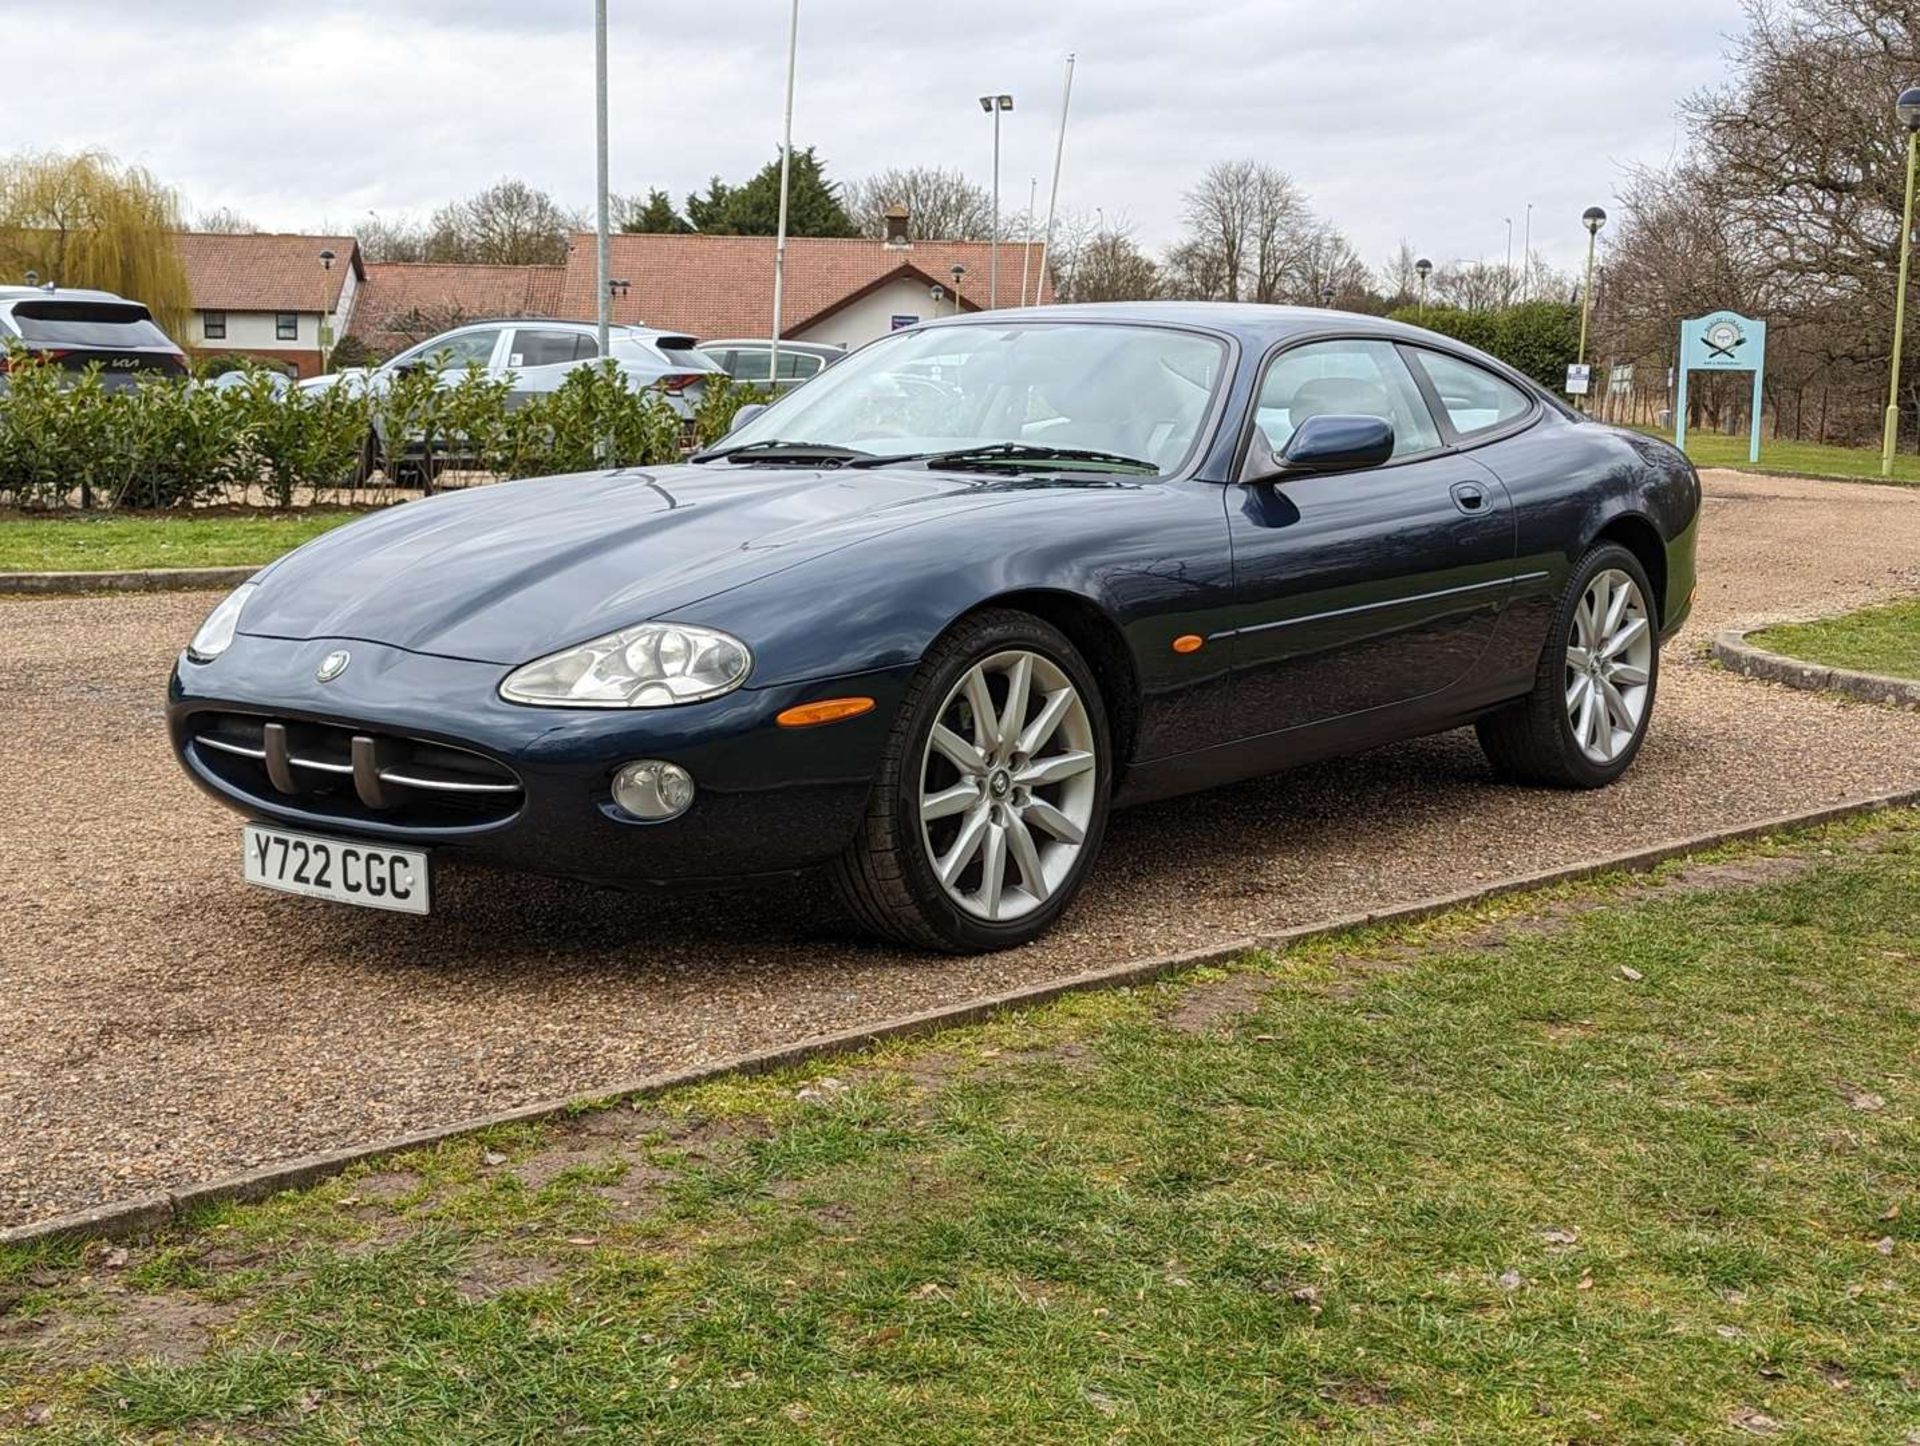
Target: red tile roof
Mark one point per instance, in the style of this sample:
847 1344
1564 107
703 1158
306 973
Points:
723 285
265 272
447 295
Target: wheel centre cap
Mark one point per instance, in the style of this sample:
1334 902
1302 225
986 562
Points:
999 782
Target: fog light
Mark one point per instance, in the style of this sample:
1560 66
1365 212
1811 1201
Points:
653 790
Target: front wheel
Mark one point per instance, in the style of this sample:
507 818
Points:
992 794
1592 699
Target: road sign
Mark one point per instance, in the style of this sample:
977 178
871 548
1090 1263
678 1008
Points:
1620 380
1579 380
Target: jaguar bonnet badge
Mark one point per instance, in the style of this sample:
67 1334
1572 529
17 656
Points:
333 665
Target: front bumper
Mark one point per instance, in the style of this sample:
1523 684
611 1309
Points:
769 800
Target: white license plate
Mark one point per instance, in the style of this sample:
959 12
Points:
371 875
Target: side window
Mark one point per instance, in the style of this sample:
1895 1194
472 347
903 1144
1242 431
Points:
752 366
798 364
1345 378
544 348
1476 400
457 352
585 347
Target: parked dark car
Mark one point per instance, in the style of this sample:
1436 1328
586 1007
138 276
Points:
925 620
78 329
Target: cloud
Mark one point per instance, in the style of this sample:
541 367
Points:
1432 123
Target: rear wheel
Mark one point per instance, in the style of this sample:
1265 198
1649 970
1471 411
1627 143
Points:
992 794
1592 699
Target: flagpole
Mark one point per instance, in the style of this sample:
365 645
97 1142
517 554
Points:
1053 192
786 171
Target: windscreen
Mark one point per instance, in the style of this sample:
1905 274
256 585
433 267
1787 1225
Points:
87 323
1136 391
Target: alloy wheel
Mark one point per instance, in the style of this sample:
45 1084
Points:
1609 665
1008 785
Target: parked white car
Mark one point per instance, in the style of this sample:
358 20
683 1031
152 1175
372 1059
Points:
537 355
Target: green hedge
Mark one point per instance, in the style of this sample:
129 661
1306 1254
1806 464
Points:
67 442
1540 338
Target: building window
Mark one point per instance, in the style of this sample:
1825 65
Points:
286 326
213 325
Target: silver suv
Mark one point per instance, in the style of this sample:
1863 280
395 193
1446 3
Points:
75 329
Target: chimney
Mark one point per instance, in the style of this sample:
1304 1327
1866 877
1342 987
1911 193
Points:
897 228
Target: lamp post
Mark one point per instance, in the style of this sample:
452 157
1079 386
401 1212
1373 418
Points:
1593 218
1425 268
1326 296
1908 109
959 274
993 105
602 223
1506 276
326 265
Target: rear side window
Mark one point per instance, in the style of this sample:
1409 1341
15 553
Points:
547 348
1476 400
87 323
751 366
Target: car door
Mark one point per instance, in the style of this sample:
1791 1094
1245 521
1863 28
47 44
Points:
1361 589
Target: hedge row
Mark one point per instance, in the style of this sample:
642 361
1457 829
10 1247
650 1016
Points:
1540 338
67 442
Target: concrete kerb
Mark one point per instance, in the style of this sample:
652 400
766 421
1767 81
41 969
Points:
1734 651
145 1214
148 579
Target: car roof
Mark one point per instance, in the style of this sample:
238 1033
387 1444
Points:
60 293
821 348
618 327
1249 320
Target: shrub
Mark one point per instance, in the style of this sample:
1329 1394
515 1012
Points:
1539 338
720 398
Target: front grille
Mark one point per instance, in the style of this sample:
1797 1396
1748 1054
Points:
354 773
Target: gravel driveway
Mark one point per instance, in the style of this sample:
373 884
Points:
162 1023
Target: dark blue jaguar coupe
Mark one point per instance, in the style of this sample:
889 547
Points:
926 619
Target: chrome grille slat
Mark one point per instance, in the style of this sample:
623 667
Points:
393 778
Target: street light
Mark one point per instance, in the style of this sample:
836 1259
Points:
993 105
786 174
326 265
1593 218
1908 109
959 273
1425 268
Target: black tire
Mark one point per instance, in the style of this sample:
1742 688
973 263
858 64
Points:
885 877
1532 739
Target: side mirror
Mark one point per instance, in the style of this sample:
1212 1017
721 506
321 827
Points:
1333 443
744 415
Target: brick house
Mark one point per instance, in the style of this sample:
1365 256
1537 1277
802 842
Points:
841 292
269 296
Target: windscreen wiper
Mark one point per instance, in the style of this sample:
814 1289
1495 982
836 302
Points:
990 454
774 450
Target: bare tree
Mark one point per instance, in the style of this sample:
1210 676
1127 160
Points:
1111 267
1399 279
942 205
508 224
1246 224
224 221
400 239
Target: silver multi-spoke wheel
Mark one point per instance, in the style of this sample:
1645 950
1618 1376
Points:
1008 785
1609 665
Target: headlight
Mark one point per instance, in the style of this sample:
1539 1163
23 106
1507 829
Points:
654 665
216 633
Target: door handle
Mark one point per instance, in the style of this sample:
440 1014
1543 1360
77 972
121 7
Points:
1470 497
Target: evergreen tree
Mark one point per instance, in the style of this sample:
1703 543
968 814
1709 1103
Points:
655 215
753 209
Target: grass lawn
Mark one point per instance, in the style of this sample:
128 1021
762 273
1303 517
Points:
1874 640
1622 1162
112 543
1796 459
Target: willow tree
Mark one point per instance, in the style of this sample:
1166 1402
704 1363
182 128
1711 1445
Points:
85 220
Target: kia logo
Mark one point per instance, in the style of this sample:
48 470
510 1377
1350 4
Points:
125 362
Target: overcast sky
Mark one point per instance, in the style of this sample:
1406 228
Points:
1432 122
